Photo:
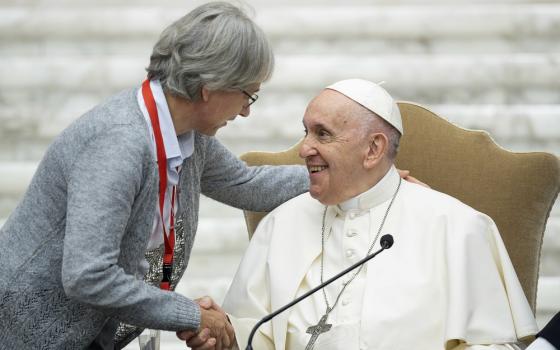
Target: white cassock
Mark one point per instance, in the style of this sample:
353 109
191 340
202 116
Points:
447 282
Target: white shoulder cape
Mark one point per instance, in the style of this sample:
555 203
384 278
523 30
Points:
448 278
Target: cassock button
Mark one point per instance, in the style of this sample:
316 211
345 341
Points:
345 302
351 233
352 216
350 253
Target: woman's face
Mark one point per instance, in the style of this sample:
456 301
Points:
223 106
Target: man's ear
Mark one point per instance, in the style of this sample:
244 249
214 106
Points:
378 143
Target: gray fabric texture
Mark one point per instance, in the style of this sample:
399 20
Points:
71 251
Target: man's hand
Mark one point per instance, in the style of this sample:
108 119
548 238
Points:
198 341
215 331
405 174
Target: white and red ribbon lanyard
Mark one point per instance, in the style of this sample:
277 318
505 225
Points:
169 242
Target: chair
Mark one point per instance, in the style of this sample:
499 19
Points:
517 190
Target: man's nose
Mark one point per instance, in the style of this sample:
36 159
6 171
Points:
306 149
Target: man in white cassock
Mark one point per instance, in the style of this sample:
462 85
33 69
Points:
447 282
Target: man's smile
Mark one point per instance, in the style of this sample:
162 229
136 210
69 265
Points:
316 168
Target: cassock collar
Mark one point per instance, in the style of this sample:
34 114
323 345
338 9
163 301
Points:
379 193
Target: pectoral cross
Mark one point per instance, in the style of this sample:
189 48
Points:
315 331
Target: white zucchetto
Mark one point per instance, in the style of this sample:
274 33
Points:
373 97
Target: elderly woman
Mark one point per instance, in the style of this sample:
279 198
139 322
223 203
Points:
116 195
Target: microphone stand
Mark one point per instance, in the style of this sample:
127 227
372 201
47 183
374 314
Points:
386 243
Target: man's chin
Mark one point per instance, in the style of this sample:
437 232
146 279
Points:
317 196
323 198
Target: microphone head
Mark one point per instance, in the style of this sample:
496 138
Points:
386 241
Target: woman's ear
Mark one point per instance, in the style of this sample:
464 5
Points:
205 94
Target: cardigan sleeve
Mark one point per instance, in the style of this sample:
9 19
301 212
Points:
103 184
229 180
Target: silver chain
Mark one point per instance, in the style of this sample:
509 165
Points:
329 309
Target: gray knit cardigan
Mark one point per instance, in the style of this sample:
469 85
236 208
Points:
70 253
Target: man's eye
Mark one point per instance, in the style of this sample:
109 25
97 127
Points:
323 134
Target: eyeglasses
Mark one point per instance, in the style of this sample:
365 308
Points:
252 98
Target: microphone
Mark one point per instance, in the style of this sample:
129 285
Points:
386 242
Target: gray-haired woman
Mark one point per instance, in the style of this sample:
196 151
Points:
116 195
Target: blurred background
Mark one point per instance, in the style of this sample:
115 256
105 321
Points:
482 64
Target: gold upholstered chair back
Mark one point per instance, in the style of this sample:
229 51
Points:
517 190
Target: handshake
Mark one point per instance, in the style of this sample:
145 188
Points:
215 331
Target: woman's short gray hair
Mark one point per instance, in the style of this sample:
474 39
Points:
216 45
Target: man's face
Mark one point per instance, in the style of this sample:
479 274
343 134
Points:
334 148
224 106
